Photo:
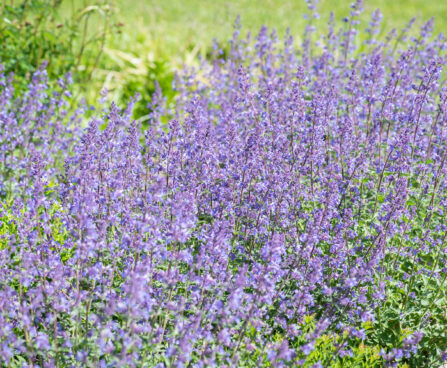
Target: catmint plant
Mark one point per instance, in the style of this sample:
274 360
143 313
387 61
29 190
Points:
289 210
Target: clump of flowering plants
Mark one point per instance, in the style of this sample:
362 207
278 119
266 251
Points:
34 124
290 213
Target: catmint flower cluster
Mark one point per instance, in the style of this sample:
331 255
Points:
285 183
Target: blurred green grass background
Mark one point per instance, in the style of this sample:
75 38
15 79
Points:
159 36
176 28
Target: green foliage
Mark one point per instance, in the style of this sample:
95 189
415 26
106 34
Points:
129 73
7 225
38 31
359 354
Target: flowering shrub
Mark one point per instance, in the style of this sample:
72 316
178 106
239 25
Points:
291 213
